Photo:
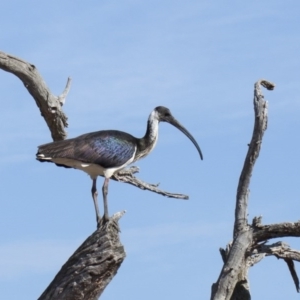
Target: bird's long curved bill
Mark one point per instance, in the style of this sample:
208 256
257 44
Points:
175 123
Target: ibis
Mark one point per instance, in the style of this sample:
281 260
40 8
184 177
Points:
103 153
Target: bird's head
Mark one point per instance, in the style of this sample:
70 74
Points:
164 115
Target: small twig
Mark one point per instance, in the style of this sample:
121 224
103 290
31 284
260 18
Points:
62 97
118 215
256 222
127 177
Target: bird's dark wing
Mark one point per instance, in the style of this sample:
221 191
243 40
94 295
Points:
108 148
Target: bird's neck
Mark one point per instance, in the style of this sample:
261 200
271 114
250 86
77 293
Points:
147 143
152 129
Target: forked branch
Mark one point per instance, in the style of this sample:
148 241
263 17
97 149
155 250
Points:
232 282
250 243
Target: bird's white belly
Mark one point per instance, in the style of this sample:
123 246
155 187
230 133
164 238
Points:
92 169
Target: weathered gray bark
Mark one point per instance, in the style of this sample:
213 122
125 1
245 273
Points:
50 106
90 269
249 241
235 267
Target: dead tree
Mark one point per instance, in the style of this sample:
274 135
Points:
92 266
250 241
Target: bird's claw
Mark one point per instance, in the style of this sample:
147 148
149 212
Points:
102 221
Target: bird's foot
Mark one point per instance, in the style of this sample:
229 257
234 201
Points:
111 221
130 171
102 221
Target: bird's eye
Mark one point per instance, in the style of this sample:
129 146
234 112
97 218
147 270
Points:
167 114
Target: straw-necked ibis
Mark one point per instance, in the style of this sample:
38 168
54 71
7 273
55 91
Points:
105 152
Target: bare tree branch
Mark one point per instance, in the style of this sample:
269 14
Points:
260 125
283 251
279 250
235 269
49 105
127 177
266 232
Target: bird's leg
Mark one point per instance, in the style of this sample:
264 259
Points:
105 192
95 198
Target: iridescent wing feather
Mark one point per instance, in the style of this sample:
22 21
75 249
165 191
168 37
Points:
108 148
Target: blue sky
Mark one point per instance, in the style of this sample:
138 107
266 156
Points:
198 58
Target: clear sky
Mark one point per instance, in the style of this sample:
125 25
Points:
198 58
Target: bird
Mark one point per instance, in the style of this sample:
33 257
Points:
105 152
